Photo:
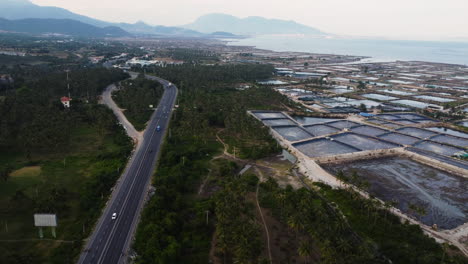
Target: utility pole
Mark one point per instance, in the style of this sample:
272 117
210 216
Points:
68 84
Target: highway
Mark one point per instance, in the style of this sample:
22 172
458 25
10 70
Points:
111 239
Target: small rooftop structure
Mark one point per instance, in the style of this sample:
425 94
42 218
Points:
366 114
65 101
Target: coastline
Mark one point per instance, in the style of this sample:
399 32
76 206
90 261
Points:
375 51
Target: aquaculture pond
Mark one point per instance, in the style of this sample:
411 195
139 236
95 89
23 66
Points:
442 195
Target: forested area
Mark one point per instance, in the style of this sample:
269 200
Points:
56 160
193 56
138 98
173 227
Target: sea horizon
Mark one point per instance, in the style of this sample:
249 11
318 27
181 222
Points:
378 50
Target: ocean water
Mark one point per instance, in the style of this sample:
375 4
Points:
380 50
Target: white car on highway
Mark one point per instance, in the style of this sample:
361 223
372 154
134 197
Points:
114 216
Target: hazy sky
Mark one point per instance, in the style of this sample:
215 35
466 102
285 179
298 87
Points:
403 19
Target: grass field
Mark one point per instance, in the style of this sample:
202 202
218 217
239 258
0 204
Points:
57 178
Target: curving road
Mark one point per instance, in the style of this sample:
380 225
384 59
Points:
111 239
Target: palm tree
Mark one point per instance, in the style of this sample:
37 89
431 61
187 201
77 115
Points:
304 250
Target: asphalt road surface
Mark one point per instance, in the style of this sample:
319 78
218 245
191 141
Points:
111 239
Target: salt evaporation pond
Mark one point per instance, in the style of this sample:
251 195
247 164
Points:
397 92
321 130
268 115
443 195
411 103
464 123
272 82
416 132
305 120
451 140
438 148
448 131
379 97
434 98
368 131
279 122
323 147
293 133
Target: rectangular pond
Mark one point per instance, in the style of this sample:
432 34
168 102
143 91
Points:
448 131
321 130
451 140
363 142
368 130
269 115
293 133
279 122
411 103
441 194
341 124
379 97
400 138
438 148
434 98
323 147
397 92
416 132
305 120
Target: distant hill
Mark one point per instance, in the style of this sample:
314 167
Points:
22 9
59 26
145 29
249 26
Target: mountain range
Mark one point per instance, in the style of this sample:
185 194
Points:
60 26
249 26
212 25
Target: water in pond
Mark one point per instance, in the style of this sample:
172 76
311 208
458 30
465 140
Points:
441 149
411 103
464 123
268 115
400 138
293 133
279 122
272 82
417 132
362 142
305 120
449 131
321 130
368 130
379 97
323 147
441 194
434 98
454 141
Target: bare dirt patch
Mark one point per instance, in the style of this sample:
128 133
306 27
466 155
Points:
31 171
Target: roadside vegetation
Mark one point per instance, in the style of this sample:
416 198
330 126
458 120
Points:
56 160
138 98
